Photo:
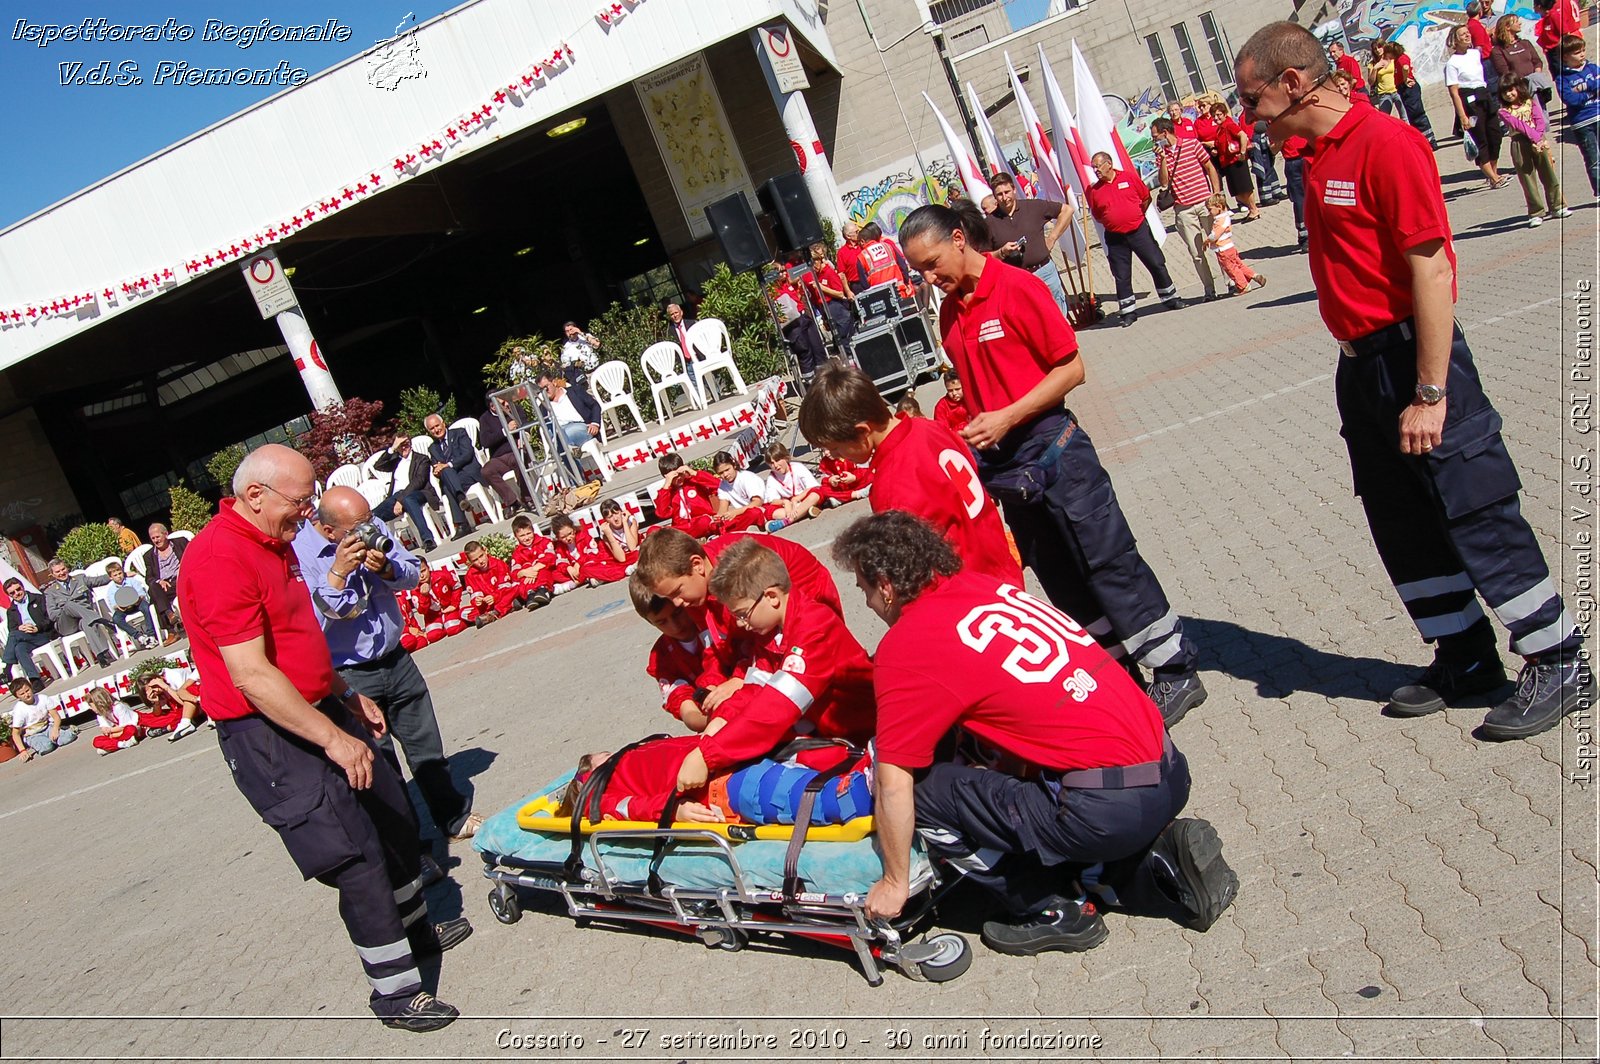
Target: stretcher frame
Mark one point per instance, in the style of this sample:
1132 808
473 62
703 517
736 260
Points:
725 917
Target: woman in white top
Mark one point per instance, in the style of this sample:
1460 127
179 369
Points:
1475 105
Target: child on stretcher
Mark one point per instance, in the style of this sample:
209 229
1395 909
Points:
766 792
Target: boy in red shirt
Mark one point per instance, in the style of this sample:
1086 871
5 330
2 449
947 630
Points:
688 499
808 675
533 562
494 591
918 465
680 661
951 411
439 604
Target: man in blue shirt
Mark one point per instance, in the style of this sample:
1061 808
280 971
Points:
352 588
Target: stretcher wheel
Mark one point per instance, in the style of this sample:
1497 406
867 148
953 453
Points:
503 902
937 960
730 939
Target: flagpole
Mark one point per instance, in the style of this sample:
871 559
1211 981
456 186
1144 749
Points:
904 118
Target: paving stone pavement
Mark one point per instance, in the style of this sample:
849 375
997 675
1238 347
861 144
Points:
1407 891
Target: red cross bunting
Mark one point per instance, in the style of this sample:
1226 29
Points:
723 424
703 431
745 416
72 702
683 439
640 455
661 446
621 461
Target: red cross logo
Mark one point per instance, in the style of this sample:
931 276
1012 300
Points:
621 461
683 439
661 446
72 702
703 431
958 467
745 416
723 424
640 454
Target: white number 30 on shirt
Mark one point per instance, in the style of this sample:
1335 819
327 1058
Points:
1036 638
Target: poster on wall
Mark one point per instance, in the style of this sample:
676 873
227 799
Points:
681 104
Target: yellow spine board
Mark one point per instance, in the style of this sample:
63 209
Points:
540 815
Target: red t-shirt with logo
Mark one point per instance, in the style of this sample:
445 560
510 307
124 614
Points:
1226 142
1005 337
1372 194
1119 204
1012 670
925 469
238 583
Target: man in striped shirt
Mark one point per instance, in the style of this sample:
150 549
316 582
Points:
1187 170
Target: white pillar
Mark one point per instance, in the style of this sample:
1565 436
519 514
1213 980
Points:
269 283
809 154
308 359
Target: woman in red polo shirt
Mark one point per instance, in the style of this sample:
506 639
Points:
1029 811
1232 145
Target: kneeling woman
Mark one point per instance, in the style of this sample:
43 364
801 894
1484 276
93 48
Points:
1070 784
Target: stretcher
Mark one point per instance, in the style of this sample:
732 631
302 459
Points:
720 883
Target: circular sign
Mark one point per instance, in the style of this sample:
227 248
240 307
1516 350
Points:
259 265
778 42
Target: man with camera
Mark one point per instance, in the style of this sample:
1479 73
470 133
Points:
352 566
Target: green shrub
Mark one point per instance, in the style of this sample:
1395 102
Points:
737 300
498 544
497 372
222 464
153 667
87 544
417 403
190 512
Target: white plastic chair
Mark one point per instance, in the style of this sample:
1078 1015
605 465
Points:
369 468
479 493
346 476
713 351
470 426
612 387
665 370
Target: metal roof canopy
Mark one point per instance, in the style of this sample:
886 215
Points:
303 144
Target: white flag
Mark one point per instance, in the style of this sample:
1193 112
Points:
1098 132
990 142
962 159
1048 166
1071 162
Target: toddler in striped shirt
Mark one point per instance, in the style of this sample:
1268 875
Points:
1221 242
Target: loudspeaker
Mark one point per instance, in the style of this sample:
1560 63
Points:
743 245
787 198
877 351
916 345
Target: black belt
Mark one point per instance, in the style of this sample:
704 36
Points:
1372 343
1113 777
231 725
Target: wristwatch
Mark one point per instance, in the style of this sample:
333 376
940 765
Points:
1429 394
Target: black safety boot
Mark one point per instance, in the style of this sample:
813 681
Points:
1071 927
422 1013
434 939
1547 690
1463 665
1191 854
1176 696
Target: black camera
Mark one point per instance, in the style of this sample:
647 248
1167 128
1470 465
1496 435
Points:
372 537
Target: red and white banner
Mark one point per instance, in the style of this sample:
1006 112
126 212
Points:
1098 133
1048 166
962 158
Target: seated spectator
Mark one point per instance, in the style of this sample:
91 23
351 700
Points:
580 355
951 411
680 661
688 498
455 463
69 600
576 413
415 630
432 610
909 406
443 603
36 726
489 582
160 574
127 538
29 628
410 488
533 562
493 436
171 708
792 485
130 602
619 534
579 559
842 480
743 496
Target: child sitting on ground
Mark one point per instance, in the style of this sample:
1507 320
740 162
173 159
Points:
36 727
579 559
439 611
951 411
766 792
177 709
808 676
680 661
909 407
1220 240
744 496
619 534
119 722
533 562
688 498
792 484
842 480
493 591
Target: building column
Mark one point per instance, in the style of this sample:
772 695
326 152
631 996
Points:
810 156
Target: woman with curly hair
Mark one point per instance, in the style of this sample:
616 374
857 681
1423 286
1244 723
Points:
1066 783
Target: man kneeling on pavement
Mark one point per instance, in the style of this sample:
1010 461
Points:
1060 795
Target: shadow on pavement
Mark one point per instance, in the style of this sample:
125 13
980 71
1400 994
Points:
1308 296
1279 665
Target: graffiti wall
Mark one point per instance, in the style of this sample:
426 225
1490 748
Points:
1423 26
888 195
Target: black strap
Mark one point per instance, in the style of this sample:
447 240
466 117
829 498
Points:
802 816
668 811
587 805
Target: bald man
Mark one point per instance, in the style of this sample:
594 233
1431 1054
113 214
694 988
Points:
300 741
352 586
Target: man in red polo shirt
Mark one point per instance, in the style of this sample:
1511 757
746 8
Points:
1438 486
1118 202
1061 783
298 739
1346 62
1018 359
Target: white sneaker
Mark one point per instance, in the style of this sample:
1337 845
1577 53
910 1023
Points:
185 728
1535 222
1565 212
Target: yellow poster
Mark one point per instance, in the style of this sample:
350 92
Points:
681 104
